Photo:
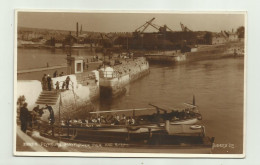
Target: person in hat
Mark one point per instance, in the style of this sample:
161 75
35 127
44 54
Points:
49 82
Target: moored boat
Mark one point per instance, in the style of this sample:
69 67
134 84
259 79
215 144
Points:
165 56
161 129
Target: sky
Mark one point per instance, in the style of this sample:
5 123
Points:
128 22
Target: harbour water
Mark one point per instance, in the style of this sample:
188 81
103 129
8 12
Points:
218 86
54 57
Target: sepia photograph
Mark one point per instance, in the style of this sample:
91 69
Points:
129 84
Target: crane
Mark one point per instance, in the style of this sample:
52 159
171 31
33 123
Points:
168 28
161 28
164 29
184 28
157 27
144 26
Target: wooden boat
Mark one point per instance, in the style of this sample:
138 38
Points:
168 138
137 124
159 131
165 57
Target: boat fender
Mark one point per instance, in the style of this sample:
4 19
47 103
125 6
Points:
195 127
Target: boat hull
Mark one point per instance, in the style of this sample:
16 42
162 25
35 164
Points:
160 58
152 133
187 121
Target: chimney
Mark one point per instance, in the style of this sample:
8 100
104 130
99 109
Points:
80 29
77 30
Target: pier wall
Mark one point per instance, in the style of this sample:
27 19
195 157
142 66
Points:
113 87
111 82
140 72
90 80
85 86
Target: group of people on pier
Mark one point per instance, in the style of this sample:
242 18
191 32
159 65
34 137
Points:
65 84
47 82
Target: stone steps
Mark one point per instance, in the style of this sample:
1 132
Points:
48 97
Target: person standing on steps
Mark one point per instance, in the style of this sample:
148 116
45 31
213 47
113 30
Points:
49 82
44 82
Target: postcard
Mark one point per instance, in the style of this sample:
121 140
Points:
130 83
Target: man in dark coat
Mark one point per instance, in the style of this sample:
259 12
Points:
49 82
51 117
24 114
44 82
67 82
55 74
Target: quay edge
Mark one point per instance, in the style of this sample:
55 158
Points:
113 80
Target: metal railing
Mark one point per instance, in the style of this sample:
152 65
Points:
109 74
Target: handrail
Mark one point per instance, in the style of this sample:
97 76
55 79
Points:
109 74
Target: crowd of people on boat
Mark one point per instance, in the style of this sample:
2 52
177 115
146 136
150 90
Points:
100 120
32 118
117 119
186 113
